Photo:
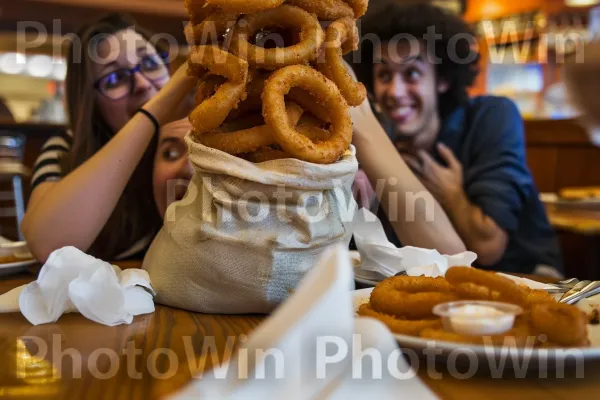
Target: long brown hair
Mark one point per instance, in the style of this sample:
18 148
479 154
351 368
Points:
135 215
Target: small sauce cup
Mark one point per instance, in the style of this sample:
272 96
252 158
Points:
477 318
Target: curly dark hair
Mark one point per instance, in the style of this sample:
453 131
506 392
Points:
459 68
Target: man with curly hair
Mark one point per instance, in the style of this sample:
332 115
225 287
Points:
418 62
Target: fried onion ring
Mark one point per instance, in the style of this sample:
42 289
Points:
211 28
342 33
253 100
509 291
538 296
286 16
561 323
309 103
245 6
290 140
207 88
397 325
359 7
471 291
198 10
211 113
247 140
411 297
327 10
314 133
267 154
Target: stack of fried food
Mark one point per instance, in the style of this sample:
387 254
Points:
405 305
273 83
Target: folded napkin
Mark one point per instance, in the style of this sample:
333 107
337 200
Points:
307 349
380 258
74 281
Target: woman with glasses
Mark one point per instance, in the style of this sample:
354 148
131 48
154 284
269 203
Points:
92 187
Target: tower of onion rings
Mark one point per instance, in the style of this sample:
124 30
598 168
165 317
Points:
272 81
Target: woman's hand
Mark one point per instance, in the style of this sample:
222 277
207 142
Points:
176 99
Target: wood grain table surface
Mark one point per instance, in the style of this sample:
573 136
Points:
585 221
159 353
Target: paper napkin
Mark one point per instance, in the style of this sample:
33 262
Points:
380 257
72 281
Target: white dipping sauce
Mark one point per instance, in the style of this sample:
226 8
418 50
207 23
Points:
474 319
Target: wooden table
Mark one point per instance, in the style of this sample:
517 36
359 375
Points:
578 220
579 233
139 356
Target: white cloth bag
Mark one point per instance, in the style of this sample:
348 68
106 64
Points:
245 234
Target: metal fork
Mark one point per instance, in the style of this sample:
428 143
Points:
588 290
567 282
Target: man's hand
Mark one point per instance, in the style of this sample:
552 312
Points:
445 183
480 233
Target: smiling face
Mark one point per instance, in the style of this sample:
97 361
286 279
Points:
406 89
125 49
172 168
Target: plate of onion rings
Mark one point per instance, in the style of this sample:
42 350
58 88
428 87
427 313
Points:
545 335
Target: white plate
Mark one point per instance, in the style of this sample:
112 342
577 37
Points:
12 268
514 359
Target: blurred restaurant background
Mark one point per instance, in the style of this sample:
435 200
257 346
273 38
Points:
524 44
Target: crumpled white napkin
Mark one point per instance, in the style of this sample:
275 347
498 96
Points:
317 321
74 281
380 258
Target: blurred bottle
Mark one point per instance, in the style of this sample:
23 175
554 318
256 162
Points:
52 109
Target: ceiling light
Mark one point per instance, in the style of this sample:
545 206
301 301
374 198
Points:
12 63
40 66
581 3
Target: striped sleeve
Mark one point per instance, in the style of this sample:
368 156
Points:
47 166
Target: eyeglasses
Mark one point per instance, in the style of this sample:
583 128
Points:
121 83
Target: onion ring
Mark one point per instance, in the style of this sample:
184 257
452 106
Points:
266 154
207 88
210 29
342 33
509 291
286 16
220 62
561 323
212 112
278 85
411 297
309 103
328 10
471 291
198 10
245 6
314 133
397 325
247 140
253 100
538 296
359 7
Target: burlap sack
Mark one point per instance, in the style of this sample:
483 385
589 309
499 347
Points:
245 234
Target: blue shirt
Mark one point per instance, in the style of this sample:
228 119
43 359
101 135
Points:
487 137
